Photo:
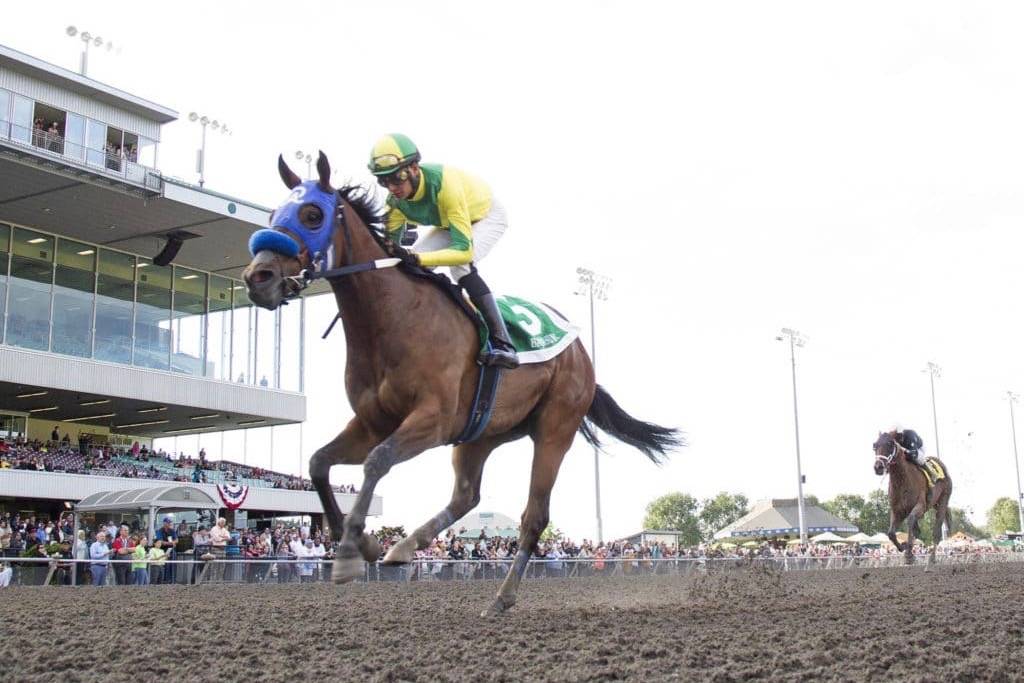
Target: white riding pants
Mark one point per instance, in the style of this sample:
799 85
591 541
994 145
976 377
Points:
486 233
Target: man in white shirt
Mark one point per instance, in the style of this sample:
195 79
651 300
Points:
219 537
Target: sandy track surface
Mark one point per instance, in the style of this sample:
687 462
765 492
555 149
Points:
949 624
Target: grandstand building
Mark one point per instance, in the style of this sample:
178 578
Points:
99 341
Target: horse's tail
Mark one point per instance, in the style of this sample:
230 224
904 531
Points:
651 439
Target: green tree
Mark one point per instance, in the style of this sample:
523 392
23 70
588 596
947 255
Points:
721 511
846 506
550 533
874 516
675 512
1003 517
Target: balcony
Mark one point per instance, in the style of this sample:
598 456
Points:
107 162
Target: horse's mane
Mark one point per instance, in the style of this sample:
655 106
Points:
370 210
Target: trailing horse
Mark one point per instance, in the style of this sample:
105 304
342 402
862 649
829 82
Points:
411 375
911 493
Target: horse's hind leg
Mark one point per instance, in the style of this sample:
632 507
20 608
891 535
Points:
468 461
548 452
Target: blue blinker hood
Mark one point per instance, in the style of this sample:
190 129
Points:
316 240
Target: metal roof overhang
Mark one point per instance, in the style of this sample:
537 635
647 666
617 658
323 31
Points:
54 195
69 80
136 401
167 498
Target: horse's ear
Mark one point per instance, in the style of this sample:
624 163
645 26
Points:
323 168
287 175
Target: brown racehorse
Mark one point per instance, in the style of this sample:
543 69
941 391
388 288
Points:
411 376
909 495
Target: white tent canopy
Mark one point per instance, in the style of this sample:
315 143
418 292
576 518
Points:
859 537
827 537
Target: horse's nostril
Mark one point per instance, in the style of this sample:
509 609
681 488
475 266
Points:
261 277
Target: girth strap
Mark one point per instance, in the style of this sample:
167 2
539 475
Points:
483 403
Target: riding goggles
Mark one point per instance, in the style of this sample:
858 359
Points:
396 178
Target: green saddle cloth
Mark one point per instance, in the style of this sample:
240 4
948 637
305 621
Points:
538 332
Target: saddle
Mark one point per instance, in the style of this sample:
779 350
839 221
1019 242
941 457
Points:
932 471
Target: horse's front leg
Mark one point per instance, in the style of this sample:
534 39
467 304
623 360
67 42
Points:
418 432
468 461
894 523
912 530
350 447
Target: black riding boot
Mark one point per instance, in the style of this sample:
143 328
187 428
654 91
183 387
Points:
502 352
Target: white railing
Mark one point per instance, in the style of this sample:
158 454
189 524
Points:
44 571
109 161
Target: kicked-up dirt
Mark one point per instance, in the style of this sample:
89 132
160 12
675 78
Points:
950 624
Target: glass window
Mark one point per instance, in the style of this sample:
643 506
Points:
74 137
147 152
218 329
73 298
5 113
28 324
21 130
242 319
152 315
13 426
115 294
95 143
265 342
187 329
5 247
290 346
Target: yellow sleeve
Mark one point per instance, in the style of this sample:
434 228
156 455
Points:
453 208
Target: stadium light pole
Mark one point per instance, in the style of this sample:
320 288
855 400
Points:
216 125
1012 397
594 286
934 371
87 40
308 158
796 339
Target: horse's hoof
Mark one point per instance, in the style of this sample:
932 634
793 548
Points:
400 553
498 607
369 547
347 569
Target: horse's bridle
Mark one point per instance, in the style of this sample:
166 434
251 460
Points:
887 459
317 268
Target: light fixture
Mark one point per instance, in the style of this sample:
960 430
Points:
95 403
44 410
188 429
189 277
141 265
151 410
141 424
37 240
89 417
204 417
250 422
86 252
38 393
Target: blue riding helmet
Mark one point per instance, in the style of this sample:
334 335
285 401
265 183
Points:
317 240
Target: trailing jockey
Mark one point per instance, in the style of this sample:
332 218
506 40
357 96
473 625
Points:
466 223
912 442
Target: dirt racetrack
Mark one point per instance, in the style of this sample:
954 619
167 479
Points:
951 624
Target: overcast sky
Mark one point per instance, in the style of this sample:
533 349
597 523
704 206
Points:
852 170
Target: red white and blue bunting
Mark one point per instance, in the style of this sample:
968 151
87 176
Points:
233 495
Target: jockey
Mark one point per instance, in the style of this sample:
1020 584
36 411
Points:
911 441
467 222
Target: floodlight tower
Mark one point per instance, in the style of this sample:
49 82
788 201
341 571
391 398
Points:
796 339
